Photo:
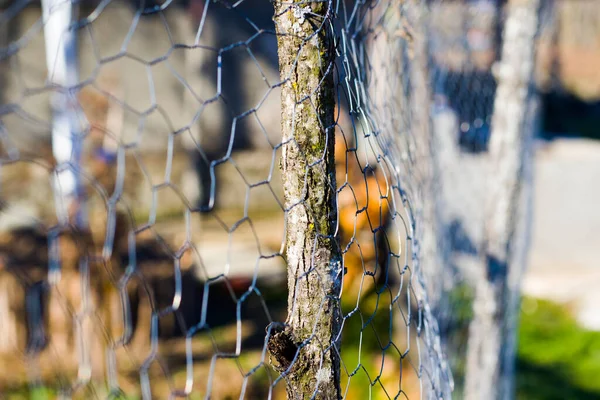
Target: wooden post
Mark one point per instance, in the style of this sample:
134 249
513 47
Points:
489 338
60 41
306 350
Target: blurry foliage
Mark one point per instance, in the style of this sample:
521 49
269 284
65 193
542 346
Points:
460 299
33 393
362 341
456 333
557 359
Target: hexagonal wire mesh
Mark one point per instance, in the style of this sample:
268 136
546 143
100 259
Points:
219 199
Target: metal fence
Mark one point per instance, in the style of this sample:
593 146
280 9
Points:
215 199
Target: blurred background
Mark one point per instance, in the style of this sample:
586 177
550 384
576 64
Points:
181 115
558 338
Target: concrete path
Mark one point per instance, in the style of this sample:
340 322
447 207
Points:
565 253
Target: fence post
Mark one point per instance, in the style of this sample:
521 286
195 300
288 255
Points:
306 350
491 348
61 60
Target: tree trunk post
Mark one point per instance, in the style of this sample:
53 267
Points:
306 350
510 143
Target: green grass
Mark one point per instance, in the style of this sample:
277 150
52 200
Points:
557 359
33 393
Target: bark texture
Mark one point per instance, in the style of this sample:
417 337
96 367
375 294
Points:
490 339
314 262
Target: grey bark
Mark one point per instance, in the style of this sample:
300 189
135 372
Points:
491 345
426 162
429 227
306 349
398 54
430 233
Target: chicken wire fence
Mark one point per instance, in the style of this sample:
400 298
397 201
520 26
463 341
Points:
210 199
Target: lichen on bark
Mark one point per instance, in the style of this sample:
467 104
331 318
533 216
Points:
305 49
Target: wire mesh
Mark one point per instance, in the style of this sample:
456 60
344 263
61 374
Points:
165 266
172 280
